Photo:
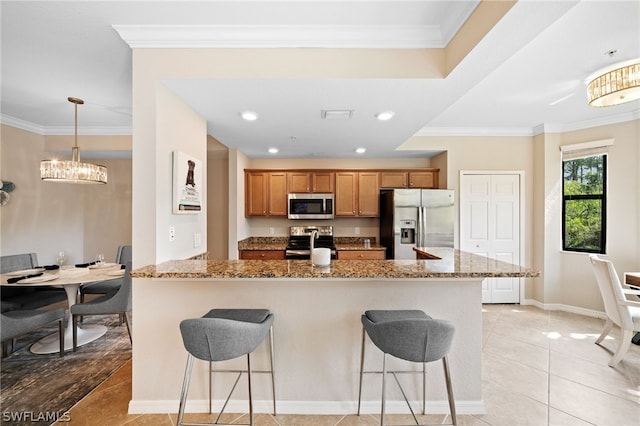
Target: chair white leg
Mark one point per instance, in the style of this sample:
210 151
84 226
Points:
361 369
185 388
623 347
605 331
452 402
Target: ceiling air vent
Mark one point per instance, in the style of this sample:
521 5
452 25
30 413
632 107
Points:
337 114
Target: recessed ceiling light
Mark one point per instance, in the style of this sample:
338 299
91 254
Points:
361 150
273 150
249 115
384 116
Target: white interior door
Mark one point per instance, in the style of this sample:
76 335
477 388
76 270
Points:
490 226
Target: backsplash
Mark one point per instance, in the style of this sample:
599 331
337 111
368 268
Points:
342 227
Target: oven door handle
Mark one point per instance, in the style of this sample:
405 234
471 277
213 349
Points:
298 252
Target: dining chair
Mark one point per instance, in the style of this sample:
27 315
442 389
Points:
19 322
117 302
103 287
620 311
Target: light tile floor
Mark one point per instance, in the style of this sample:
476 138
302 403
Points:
539 368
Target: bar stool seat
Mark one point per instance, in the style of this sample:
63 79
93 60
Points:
413 336
224 334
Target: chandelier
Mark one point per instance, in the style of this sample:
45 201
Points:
615 85
73 171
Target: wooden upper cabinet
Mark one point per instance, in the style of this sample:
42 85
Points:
357 194
390 179
265 194
299 181
311 182
345 195
424 179
255 196
277 194
368 194
409 179
322 182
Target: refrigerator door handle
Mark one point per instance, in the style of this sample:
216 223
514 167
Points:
419 228
422 226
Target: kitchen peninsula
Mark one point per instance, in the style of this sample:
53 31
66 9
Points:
317 328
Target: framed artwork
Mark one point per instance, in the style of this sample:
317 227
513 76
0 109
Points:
187 184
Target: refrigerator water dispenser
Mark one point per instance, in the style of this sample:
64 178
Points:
407 232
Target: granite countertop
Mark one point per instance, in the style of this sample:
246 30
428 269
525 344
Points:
452 264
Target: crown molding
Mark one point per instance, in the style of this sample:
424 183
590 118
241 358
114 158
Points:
474 131
282 36
7 120
587 124
533 131
62 130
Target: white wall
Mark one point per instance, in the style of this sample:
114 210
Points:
569 278
567 281
179 128
45 217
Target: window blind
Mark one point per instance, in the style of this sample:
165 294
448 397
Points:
585 149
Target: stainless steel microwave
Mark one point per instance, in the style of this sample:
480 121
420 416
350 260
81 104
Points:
310 206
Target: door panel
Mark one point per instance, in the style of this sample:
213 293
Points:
490 226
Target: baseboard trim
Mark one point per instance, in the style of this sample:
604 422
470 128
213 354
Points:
302 407
564 308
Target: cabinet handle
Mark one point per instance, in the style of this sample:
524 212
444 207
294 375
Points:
360 255
262 255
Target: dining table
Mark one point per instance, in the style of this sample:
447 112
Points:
71 279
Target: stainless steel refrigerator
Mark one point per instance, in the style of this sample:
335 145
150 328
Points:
416 218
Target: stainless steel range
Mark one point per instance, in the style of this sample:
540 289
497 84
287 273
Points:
299 246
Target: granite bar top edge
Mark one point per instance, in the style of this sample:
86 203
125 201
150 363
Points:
453 264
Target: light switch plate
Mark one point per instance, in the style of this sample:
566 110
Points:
197 239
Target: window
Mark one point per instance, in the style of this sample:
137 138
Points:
584 205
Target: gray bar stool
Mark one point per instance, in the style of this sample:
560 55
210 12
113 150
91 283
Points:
224 334
413 336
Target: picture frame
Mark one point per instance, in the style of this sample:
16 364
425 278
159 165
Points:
187 184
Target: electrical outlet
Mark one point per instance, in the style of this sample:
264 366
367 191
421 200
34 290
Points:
172 233
197 239
357 230
272 231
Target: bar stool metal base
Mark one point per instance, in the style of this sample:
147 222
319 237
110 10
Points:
239 373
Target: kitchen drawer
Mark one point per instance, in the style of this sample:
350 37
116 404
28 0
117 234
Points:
262 255
360 254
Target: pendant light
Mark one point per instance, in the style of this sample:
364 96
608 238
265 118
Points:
73 171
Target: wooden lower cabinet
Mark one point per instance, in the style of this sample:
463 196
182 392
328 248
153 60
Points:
262 255
361 254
